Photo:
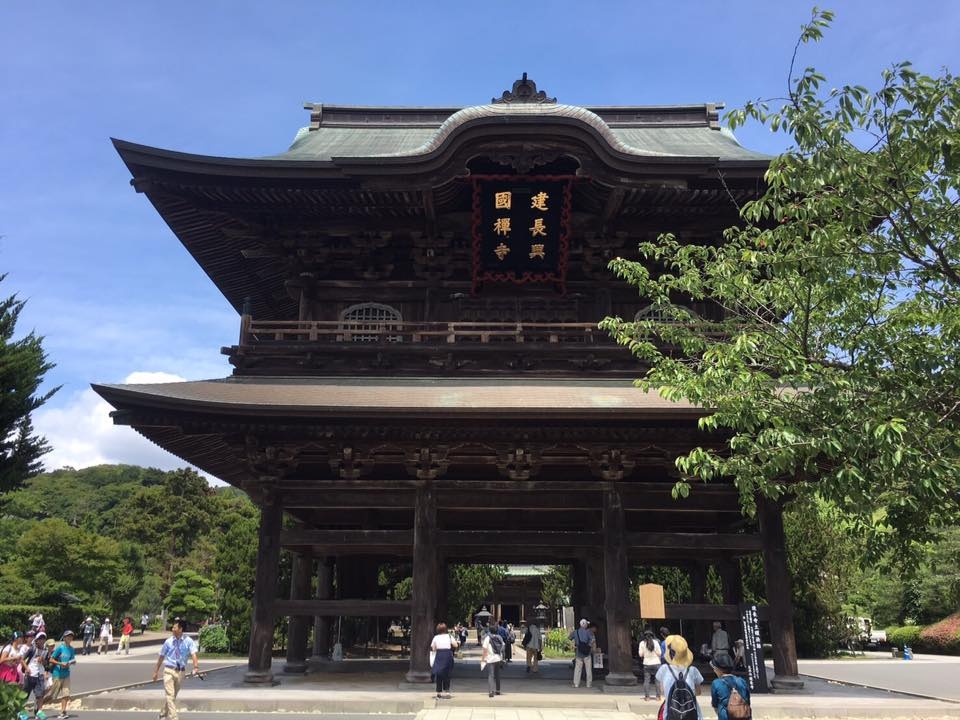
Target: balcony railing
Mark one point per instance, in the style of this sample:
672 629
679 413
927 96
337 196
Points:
266 332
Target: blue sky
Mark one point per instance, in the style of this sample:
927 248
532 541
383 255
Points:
111 288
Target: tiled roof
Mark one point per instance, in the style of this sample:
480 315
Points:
403 397
643 132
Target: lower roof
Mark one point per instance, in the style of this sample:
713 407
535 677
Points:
403 397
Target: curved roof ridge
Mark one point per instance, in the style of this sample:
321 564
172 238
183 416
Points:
478 112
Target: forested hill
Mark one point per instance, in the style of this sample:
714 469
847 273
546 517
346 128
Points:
114 538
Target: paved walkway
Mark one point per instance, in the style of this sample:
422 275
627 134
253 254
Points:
358 686
926 675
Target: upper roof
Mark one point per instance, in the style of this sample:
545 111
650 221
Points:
402 398
682 131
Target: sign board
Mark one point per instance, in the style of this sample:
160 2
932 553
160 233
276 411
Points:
652 606
753 649
521 228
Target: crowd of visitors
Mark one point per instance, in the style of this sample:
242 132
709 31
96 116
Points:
41 666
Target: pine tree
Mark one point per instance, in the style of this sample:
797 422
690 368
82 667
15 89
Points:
23 363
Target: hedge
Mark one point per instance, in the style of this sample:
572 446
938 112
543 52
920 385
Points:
942 638
57 619
901 636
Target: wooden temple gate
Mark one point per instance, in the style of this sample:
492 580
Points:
399 392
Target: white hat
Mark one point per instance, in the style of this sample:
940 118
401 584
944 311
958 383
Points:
583 622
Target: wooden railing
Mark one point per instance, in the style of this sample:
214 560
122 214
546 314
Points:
266 332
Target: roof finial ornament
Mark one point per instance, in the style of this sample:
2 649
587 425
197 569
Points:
523 91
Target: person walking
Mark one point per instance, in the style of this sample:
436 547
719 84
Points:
144 621
584 644
650 655
680 681
35 681
491 658
441 650
106 636
508 639
62 658
11 660
533 644
125 632
729 694
172 660
87 631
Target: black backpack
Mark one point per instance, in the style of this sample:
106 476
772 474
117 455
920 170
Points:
496 643
681 703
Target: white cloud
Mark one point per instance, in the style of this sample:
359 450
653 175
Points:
82 434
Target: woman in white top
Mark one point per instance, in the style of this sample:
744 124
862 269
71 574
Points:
441 648
650 657
491 658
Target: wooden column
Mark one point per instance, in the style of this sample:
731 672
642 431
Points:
699 629
617 592
779 594
424 583
321 623
298 625
265 592
443 595
731 581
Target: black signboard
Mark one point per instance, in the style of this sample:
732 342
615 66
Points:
753 649
521 228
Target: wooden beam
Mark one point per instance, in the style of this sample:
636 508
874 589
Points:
706 611
347 608
346 538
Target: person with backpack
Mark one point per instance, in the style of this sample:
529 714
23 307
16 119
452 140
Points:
679 682
584 644
533 644
491 658
61 659
11 660
729 694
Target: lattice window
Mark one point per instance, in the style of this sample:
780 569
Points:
660 313
366 322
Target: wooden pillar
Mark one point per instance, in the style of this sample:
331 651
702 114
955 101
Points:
299 625
699 632
617 592
423 602
265 592
579 594
321 624
443 595
779 594
731 581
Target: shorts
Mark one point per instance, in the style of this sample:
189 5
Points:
35 685
60 689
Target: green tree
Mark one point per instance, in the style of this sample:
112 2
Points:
23 364
235 572
557 586
191 596
57 560
833 367
168 520
469 586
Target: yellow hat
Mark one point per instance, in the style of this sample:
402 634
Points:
678 653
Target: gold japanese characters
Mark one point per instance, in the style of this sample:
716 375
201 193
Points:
503 200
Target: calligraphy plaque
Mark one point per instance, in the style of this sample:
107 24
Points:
521 228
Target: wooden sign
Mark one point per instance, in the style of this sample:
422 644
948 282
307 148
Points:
521 228
652 606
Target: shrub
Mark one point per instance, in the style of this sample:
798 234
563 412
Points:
12 700
942 637
57 619
213 638
901 636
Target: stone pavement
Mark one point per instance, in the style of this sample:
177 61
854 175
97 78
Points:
365 686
